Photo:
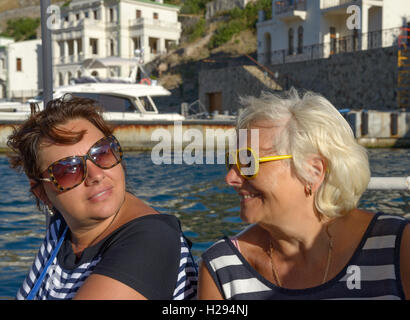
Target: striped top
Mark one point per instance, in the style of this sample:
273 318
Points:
56 282
373 271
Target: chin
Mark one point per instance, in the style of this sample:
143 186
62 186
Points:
248 216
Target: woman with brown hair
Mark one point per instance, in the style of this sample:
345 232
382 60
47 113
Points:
102 242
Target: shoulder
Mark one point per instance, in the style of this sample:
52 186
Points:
405 260
157 228
145 255
217 249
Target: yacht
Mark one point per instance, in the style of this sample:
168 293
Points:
122 99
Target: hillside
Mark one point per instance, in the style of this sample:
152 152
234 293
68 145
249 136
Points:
179 69
14 9
227 37
6 5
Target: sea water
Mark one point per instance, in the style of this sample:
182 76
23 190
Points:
196 194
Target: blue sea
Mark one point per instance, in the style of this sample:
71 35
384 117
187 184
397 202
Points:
196 194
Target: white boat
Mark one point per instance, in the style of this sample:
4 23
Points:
122 99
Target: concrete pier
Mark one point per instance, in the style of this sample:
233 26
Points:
373 129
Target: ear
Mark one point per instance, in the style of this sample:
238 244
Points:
318 171
38 190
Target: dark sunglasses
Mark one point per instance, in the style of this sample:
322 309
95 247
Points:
68 173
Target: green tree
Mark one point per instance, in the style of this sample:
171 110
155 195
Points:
194 6
239 20
21 29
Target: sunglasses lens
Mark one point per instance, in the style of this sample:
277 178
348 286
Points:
68 172
106 153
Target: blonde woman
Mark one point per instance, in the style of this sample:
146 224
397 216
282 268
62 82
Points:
307 239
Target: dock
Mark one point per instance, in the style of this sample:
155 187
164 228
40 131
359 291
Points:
372 129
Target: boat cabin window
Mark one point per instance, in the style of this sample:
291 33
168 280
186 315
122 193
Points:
146 104
110 103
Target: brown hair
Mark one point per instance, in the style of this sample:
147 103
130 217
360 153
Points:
42 126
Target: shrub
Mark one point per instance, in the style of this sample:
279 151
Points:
239 20
197 31
22 28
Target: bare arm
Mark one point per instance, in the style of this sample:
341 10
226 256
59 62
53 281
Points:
207 289
405 261
100 287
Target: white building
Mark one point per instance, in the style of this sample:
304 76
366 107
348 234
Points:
104 28
311 29
20 63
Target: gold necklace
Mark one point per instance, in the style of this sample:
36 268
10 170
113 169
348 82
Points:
329 259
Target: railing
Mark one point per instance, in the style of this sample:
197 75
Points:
282 6
349 43
154 22
335 3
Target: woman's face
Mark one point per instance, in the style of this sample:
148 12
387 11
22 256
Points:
100 195
275 191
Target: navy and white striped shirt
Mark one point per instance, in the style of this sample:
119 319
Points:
63 277
373 271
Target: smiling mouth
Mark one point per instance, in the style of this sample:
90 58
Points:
248 196
99 194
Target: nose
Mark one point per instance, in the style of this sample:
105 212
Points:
94 174
234 178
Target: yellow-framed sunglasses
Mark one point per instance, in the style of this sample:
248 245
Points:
247 162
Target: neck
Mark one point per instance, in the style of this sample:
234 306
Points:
306 236
87 236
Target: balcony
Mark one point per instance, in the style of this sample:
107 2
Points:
341 5
344 44
156 23
290 10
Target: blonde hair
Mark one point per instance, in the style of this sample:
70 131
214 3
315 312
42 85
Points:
313 126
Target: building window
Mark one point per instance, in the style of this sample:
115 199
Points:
155 15
94 45
300 40
355 40
137 43
153 45
112 48
268 46
170 44
111 15
86 14
60 79
333 40
290 40
95 13
77 16
19 66
138 14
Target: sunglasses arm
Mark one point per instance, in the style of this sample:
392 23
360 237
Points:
46 179
273 158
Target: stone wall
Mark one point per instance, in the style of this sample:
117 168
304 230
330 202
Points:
357 80
233 82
